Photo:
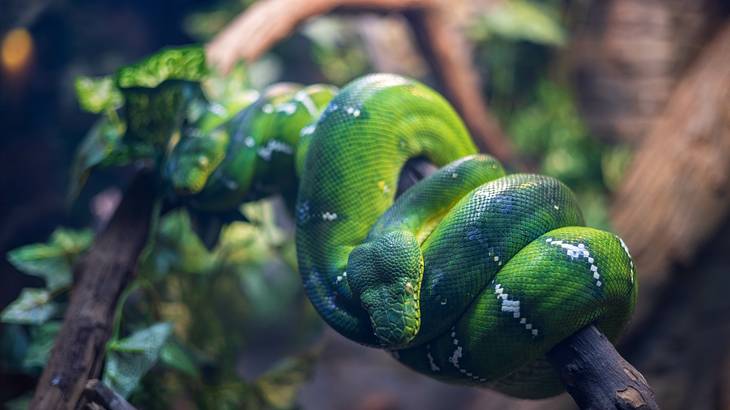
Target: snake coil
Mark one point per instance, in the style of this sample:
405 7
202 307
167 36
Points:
469 277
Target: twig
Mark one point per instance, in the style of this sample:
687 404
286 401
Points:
596 375
266 22
99 393
103 273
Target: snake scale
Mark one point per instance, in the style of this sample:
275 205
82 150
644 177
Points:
469 277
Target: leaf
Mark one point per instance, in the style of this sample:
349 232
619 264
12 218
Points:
33 307
176 63
97 147
279 386
52 261
177 248
97 94
524 20
158 90
131 358
40 346
176 357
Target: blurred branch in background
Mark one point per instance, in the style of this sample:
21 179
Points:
675 195
266 22
627 56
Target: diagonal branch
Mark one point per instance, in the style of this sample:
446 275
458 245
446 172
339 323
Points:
78 351
266 22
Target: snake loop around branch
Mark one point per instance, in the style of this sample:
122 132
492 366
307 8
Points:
470 276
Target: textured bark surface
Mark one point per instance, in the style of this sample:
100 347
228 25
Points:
102 274
99 394
597 376
257 29
627 56
676 194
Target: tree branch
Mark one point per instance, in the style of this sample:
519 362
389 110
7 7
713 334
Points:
596 376
103 273
99 393
266 22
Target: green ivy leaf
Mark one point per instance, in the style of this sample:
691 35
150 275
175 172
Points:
97 94
523 20
42 338
32 307
53 261
130 358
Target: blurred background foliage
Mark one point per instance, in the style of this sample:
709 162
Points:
194 328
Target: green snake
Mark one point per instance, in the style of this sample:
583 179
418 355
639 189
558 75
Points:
469 277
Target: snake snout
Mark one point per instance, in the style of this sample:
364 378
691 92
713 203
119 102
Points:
386 274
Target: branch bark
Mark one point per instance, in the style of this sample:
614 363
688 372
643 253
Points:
262 25
596 376
98 393
675 193
78 351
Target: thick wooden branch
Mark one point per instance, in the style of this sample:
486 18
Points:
596 376
98 393
102 274
675 194
266 22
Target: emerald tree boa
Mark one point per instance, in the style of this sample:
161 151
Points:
469 277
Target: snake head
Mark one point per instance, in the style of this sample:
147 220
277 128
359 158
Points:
386 273
194 159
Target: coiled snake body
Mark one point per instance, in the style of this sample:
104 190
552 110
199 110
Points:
470 276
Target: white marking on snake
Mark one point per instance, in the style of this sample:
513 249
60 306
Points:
307 102
218 109
631 261
274 146
249 141
329 216
288 108
309 129
431 362
577 252
353 111
268 108
513 306
458 354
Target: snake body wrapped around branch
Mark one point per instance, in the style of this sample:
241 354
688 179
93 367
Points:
470 276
